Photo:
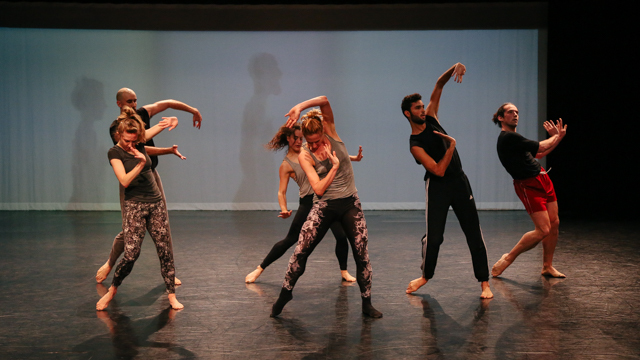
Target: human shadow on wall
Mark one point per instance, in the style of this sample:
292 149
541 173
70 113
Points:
89 158
259 171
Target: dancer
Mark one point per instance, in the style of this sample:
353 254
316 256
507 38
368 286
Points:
446 184
290 169
326 163
143 206
532 184
127 97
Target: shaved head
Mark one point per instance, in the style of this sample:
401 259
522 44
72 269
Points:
122 92
126 97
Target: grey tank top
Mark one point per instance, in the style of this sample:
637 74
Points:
301 178
343 184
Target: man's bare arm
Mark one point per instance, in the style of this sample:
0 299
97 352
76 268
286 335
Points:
457 70
436 168
163 105
557 132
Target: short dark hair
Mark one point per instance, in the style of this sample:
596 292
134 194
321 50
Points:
498 113
408 100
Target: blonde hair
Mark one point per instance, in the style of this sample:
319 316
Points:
130 122
312 122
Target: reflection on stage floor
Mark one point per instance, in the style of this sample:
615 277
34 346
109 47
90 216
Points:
49 261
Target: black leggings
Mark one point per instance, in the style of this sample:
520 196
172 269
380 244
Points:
306 203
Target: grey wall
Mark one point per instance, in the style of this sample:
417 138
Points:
58 98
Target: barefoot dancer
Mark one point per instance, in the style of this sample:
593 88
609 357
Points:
143 206
290 169
326 163
446 184
127 97
532 184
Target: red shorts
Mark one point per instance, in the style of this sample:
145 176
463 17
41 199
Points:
535 192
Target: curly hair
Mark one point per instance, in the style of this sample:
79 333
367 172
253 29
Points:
407 101
498 113
130 122
312 122
279 140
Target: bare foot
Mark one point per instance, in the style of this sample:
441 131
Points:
500 266
551 271
253 276
175 304
346 276
416 284
106 299
103 272
177 282
486 291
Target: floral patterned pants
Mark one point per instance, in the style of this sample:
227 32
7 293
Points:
138 217
348 212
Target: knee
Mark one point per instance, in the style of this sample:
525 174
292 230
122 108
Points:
131 256
543 231
555 224
432 240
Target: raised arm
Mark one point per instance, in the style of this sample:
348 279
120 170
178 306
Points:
285 172
458 70
557 132
163 105
327 114
436 168
319 186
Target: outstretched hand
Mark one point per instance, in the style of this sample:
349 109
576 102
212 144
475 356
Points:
562 129
458 72
555 129
293 116
550 128
359 156
175 151
197 119
446 138
168 122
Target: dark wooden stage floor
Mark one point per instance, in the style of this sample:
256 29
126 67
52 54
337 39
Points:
49 260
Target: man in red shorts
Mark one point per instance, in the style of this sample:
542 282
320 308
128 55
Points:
532 184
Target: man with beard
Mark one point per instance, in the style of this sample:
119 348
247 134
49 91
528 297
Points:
446 184
532 184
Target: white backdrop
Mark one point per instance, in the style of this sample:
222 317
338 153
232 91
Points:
57 99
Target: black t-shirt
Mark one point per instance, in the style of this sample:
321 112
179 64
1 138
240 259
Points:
436 147
515 153
146 119
144 187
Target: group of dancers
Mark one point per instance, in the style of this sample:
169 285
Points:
328 196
